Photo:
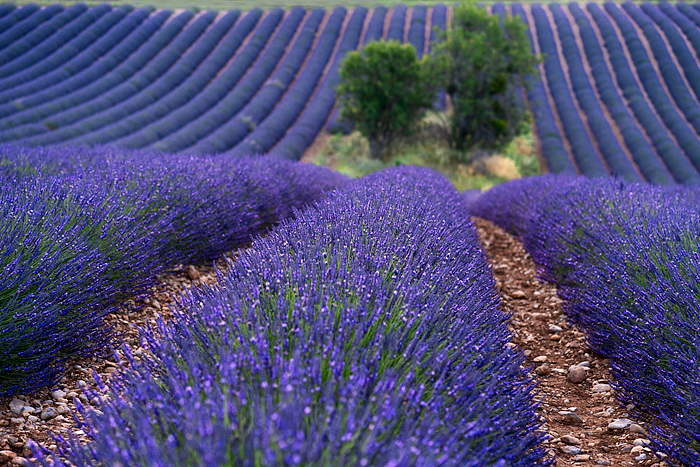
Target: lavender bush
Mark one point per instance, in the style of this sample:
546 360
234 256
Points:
626 262
367 331
84 228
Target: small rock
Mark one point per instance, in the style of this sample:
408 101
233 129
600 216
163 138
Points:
16 421
33 418
601 388
62 409
543 369
568 439
7 456
81 384
641 457
4 422
636 449
577 375
641 442
571 419
527 353
603 462
555 337
58 394
193 274
634 428
554 328
619 424
16 406
582 458
571 450
49 413
21 461
541 358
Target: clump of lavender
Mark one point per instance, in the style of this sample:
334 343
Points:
512 205
85 228
626 261
367 331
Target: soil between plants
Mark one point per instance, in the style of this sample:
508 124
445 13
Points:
536 314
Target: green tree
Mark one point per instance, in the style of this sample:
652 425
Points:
384 91
482 61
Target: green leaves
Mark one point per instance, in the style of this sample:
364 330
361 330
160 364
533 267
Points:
483 60
384 91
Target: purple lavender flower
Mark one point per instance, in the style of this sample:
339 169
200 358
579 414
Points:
366 331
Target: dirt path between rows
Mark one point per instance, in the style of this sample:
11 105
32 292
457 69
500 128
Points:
576 416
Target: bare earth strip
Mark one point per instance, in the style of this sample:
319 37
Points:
576 415
587 67
565 68
543 77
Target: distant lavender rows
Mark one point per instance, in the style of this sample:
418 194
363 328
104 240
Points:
626 260
622 117
365 332
248 83
83 229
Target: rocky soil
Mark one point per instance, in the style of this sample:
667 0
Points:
585 424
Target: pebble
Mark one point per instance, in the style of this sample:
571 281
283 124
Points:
193 274
49 413
634 428
601 388
33 418
636 449
582 458
81 384
619 424
17 406
603 462
641 442
577 375
571 418
543 369
541 358
572 450
16 421
640 457
7 456
58 394
568 439
554 328
22 461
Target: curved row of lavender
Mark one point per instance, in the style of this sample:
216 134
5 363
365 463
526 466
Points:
652 134
626 261
367 331
85 228
259 82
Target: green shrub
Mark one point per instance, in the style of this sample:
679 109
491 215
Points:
482 62
384 91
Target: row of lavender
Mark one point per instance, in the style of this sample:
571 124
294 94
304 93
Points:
621 110
84 229
367 331
626 262
251 83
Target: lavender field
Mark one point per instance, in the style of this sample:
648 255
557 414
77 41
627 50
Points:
359 324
